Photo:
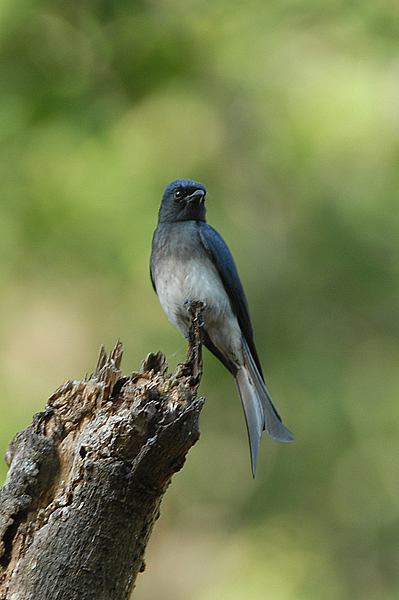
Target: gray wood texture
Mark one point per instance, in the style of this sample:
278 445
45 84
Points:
86 479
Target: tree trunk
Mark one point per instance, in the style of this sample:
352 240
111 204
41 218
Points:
86 479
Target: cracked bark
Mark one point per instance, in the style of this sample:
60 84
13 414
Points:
86 479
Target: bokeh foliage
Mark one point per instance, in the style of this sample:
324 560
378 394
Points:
288 112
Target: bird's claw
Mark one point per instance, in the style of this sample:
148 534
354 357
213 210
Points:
194 334
195 309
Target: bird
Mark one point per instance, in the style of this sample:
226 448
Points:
190 261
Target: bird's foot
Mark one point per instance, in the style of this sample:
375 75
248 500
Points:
194 335
195 309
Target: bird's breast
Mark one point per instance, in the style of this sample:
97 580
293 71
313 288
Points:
194 279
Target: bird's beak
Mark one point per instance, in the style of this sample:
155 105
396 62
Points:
197 196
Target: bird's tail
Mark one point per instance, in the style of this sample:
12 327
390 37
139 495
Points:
260 412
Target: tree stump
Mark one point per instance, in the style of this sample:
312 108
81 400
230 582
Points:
86 479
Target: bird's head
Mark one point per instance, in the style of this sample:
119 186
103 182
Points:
183 200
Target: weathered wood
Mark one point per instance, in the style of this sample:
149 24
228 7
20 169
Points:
86 479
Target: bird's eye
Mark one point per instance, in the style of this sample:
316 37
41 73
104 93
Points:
178 194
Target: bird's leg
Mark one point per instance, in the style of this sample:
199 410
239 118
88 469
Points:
195 310
194 336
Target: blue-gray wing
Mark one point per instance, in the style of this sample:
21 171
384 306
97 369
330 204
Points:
223 260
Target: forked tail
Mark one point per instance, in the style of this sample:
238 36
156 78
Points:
260 412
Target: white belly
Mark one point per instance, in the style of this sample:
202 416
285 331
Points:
192 280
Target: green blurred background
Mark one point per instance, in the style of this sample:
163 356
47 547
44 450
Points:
288 112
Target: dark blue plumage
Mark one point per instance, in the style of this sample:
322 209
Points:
221 257
191 261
